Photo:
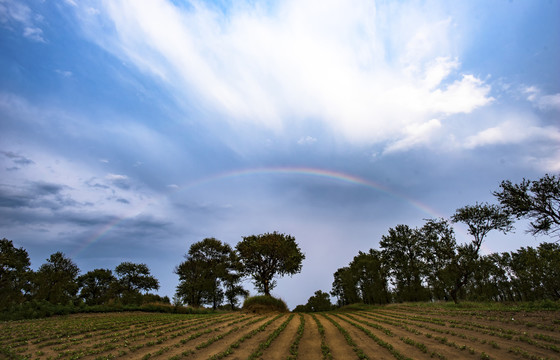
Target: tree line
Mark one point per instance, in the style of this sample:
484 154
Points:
58 281
211 273
427 263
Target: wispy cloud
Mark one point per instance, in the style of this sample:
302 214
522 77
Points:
18 15
16 158
307 140
543 102
364 76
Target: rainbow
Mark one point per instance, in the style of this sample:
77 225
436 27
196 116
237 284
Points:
299 171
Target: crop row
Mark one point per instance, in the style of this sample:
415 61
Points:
360 334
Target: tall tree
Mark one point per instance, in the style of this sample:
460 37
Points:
208 264
96 286
14 273
440 255
56 280
402 251
133 279
371 274
232 281
268 255
345 286
192 282
538 200
480 220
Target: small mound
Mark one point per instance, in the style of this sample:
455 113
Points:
264 304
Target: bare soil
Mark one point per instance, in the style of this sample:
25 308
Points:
408 331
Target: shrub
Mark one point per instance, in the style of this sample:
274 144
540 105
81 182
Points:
264 303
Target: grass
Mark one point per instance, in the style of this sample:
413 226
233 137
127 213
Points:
264 303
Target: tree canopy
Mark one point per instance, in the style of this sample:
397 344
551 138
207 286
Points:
538 200
14 273
56 280
132 279
210 272
268 255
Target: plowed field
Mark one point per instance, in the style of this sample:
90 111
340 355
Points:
397 331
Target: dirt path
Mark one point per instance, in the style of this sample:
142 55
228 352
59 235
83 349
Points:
310 343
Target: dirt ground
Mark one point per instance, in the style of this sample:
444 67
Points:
391 332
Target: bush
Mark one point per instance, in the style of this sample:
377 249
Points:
264 303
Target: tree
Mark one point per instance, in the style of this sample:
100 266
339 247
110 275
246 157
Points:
232 281
96 286
56 280
480 220
132 279
402 251
537 272
440 256
345 286
14 274
320 301
209 264
538 200
371 275
268 255
192 282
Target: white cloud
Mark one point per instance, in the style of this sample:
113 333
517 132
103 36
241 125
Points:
515 130
112 177
307 140
15 13
549 102
543 102
64 73
365 76
416 134
34 33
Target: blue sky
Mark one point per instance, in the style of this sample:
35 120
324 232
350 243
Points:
131 129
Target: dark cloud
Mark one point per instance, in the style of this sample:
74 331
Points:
16 159
36 195
123 201
8 200
44 188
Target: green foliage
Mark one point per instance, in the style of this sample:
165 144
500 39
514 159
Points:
481 219
97 286
14 274
210 272
320 301
35 309
132 279
267 255
364 280
538 200
264 303
402 251
56 280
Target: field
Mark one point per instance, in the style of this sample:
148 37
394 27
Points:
406 331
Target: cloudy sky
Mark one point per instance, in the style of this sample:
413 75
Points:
131 129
